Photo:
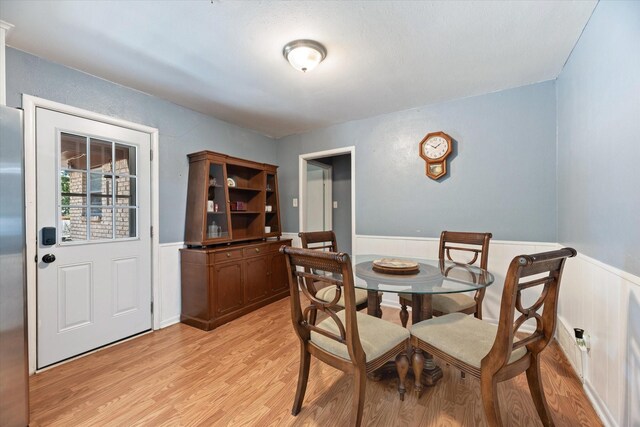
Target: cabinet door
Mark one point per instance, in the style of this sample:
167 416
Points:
278 273
256 282
217 219
227 282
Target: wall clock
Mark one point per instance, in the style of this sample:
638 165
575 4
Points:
434 149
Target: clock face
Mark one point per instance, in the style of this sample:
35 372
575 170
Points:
435 147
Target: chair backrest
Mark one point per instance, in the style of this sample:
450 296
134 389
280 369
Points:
449 240
547 266
305 266
323 240
320 241
475 243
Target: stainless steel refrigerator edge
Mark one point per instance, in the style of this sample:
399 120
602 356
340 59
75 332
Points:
14 380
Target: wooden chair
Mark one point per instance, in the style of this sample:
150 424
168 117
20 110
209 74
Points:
347 340
452 303
326 241
494 353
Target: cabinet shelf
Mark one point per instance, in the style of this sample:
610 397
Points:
257 190
245 212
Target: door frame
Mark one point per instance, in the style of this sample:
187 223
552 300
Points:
328 194
29 105
302 178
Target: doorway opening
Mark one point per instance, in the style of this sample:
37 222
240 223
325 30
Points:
327 194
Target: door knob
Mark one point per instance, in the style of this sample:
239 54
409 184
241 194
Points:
48 258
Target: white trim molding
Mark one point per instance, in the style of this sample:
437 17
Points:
5 29
169 282
29 105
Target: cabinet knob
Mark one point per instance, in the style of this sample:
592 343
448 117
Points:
228 254
257 249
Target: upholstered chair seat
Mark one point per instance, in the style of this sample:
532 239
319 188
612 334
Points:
377 336
464 337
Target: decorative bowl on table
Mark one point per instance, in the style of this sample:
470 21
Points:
395 266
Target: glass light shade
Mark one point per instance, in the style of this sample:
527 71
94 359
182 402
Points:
304 55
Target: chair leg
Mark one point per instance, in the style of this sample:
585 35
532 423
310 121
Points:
357 405
489 391
417 364
303 376
537 393
402 366
404 314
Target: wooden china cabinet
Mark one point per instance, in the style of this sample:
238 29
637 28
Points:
231 265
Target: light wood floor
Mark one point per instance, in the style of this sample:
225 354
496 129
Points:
244 374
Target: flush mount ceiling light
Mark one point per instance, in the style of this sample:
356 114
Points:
304 55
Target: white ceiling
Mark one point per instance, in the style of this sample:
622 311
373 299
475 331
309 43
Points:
224 58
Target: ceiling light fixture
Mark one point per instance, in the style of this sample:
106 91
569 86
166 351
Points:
304 55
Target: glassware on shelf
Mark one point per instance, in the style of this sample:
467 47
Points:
214 230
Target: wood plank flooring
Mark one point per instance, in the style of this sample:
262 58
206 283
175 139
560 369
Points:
244 374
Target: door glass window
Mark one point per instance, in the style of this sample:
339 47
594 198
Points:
90 191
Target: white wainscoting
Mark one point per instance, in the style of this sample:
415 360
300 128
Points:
168 308
605 302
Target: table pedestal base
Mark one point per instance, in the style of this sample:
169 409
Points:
421 310
431 373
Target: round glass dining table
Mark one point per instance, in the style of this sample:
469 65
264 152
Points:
434 277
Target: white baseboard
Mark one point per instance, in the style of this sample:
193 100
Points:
170 321
600 407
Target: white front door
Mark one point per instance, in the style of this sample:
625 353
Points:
94 245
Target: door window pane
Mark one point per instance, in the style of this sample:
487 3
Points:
101 155
101 225
73 188
87 189
126 191
101 193
73 151
126 220
125 160
74 223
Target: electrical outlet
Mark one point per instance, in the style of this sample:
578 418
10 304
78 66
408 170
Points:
587 341
295 203
335 205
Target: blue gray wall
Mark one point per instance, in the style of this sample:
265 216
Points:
182 131
599 139
502 172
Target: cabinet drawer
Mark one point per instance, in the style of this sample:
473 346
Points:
275 247
254 251
229 255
